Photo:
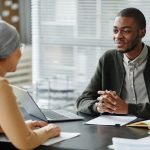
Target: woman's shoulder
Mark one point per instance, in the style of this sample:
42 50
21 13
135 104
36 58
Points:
3 81
5 88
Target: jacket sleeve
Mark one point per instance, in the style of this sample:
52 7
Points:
13 125
86 102
141 110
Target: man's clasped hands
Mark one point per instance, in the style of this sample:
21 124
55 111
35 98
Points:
110 102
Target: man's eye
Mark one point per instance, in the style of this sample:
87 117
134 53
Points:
126 31
115 31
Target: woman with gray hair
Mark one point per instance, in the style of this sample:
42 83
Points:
23 135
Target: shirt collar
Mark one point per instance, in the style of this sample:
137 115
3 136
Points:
139 59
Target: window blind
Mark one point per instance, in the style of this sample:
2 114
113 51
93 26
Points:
69 36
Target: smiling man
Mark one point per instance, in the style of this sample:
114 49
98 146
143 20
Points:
121 83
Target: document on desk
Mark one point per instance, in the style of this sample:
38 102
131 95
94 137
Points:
130 144
111 120
63 136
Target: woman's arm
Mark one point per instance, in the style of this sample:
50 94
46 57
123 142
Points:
13 125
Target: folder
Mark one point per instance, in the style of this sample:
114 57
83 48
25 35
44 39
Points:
145 124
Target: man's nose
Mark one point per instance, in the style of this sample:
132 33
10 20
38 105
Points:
119 34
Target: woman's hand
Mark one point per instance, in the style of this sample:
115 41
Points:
35 124
53 130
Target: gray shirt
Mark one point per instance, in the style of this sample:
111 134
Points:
134 89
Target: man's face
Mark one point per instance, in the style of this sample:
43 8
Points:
126 34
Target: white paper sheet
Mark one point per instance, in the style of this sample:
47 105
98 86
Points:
111 120
130 144
63 136
145 139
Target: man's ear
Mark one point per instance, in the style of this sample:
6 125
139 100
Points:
142 33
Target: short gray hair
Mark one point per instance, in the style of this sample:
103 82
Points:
9 39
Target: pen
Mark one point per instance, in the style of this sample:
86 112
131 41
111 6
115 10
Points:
117 125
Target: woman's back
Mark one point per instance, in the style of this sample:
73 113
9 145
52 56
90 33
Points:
23 135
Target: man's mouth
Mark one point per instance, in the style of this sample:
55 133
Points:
119 44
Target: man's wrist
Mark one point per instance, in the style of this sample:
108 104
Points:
94 107
126 112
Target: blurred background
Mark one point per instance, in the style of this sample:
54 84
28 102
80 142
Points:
63 41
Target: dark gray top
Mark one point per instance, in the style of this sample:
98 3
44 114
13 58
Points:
110 75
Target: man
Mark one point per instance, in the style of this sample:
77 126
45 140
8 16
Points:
121 83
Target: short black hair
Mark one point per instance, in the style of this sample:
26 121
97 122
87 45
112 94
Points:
134 13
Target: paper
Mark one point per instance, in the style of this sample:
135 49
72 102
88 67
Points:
130 144
63 136
145 139
111 120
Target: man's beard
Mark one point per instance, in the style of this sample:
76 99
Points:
135 42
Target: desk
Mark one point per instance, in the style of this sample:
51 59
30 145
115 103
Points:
93 137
